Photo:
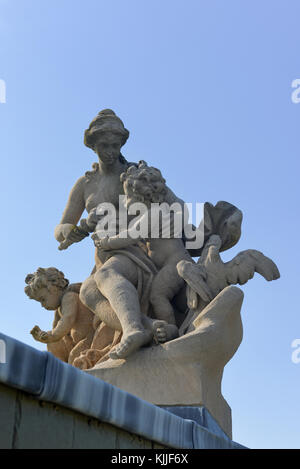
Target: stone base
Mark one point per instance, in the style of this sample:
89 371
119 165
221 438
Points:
186 371
45 403
159 381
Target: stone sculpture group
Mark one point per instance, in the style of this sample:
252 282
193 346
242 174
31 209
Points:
148 319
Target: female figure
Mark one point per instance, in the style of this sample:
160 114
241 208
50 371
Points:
106 135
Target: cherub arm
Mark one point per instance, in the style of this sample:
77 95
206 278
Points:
56 319
115 242
69 307
126 237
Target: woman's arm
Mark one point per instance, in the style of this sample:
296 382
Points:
72 213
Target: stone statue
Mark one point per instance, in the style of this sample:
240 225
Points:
147 309
75 328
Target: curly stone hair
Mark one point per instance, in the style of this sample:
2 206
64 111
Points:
41 278
145 183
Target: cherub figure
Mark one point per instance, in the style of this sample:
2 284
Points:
146 184
74 325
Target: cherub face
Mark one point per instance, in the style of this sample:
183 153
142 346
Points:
49 297
108 147
132 198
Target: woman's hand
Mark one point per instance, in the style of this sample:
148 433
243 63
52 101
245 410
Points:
68 234
62 231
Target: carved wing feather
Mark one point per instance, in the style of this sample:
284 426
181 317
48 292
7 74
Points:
243 266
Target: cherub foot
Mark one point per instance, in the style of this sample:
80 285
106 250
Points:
163 332
94 355
82 363
87 359
130 343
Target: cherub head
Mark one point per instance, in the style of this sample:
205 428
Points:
46 286
143 184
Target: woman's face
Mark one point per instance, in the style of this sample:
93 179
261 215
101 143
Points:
108 147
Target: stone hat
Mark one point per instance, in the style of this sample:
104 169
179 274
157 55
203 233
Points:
105 121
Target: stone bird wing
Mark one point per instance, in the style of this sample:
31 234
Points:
194 275
243 266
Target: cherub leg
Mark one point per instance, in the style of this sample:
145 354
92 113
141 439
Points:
117 281
165 285
83 345
104 340
59 350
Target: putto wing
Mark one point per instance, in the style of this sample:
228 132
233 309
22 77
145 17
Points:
243 266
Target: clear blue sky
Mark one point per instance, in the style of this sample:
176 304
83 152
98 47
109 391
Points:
205 89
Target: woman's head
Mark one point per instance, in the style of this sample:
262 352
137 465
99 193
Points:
144 184
106 135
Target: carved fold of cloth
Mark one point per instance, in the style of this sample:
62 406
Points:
105 338
145 271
